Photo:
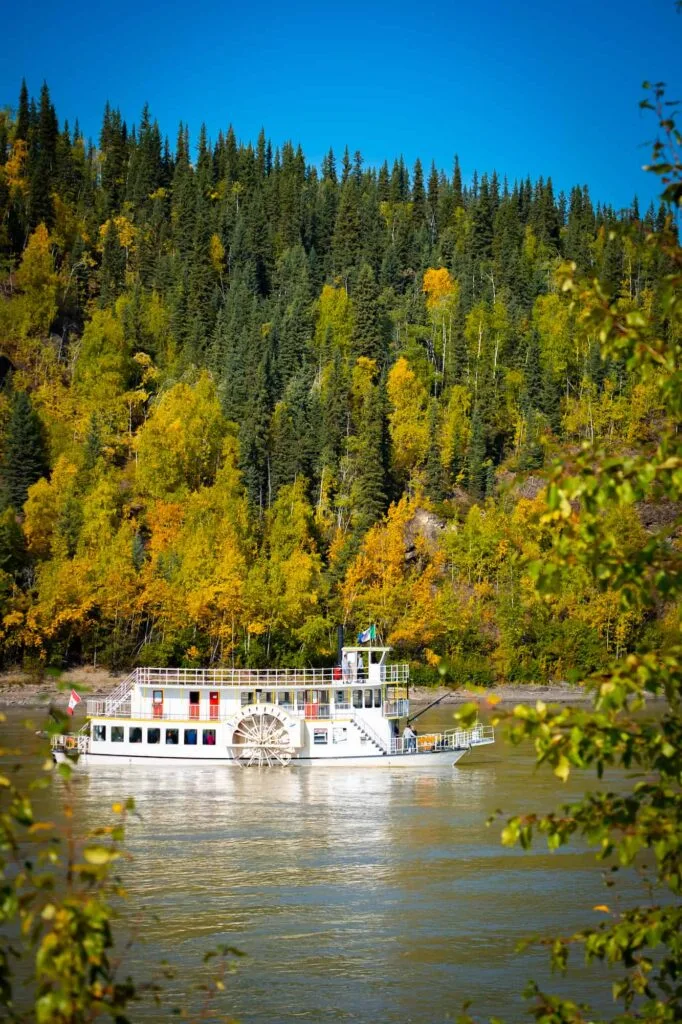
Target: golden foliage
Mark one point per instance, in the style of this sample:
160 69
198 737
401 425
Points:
408 418
439 285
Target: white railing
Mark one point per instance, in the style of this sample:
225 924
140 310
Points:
396 708
452 739
395 673
307 711
272 678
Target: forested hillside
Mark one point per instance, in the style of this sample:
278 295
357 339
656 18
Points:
244 399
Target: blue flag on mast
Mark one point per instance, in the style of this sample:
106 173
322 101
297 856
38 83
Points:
369 634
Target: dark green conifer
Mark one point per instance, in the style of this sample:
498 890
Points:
22 123
347 241
25 457
418 195
435 476
43 162
482 223
114 159
371 484
254 441
93 443
113 265
368 332
476 456
457 193
13 556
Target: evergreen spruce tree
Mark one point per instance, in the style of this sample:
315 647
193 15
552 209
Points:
43 162
254 442
25 457
368 333
334 415
114 159
13 556
476 456
370 492
93 443
482 223
457 192
113 265
532 372
418 195
433 208
435 475
22 123
347 241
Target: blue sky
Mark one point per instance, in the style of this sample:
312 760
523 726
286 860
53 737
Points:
526 88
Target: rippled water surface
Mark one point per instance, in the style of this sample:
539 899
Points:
360 895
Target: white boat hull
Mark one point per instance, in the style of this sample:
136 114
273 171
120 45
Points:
411 762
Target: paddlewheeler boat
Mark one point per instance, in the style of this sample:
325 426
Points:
348 716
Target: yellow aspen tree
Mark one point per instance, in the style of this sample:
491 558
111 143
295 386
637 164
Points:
178 448
442 299
334 320
455 428
383 586
408 419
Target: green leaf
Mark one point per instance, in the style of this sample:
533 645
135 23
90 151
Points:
99 855
562 768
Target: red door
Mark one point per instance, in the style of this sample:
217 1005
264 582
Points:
157 703
214 704
194 698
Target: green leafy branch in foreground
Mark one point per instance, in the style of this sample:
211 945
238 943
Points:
57 893
641 828
66 932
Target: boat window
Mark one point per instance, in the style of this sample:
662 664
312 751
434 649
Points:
117 734
319 737
153 735
340 697
209 737
269 697
246 697
172 736
99 732
284 698
368 698
377 698
157 696
191 737
357 698
135 734
194 696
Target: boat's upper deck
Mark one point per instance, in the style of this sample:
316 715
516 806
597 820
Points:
147 690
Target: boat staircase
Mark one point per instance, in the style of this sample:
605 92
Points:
118 701
369 734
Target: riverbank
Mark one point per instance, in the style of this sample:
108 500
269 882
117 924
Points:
504 693
19 689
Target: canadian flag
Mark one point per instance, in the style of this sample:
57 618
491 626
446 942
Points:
74 699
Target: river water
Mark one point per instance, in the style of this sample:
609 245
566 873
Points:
357 895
